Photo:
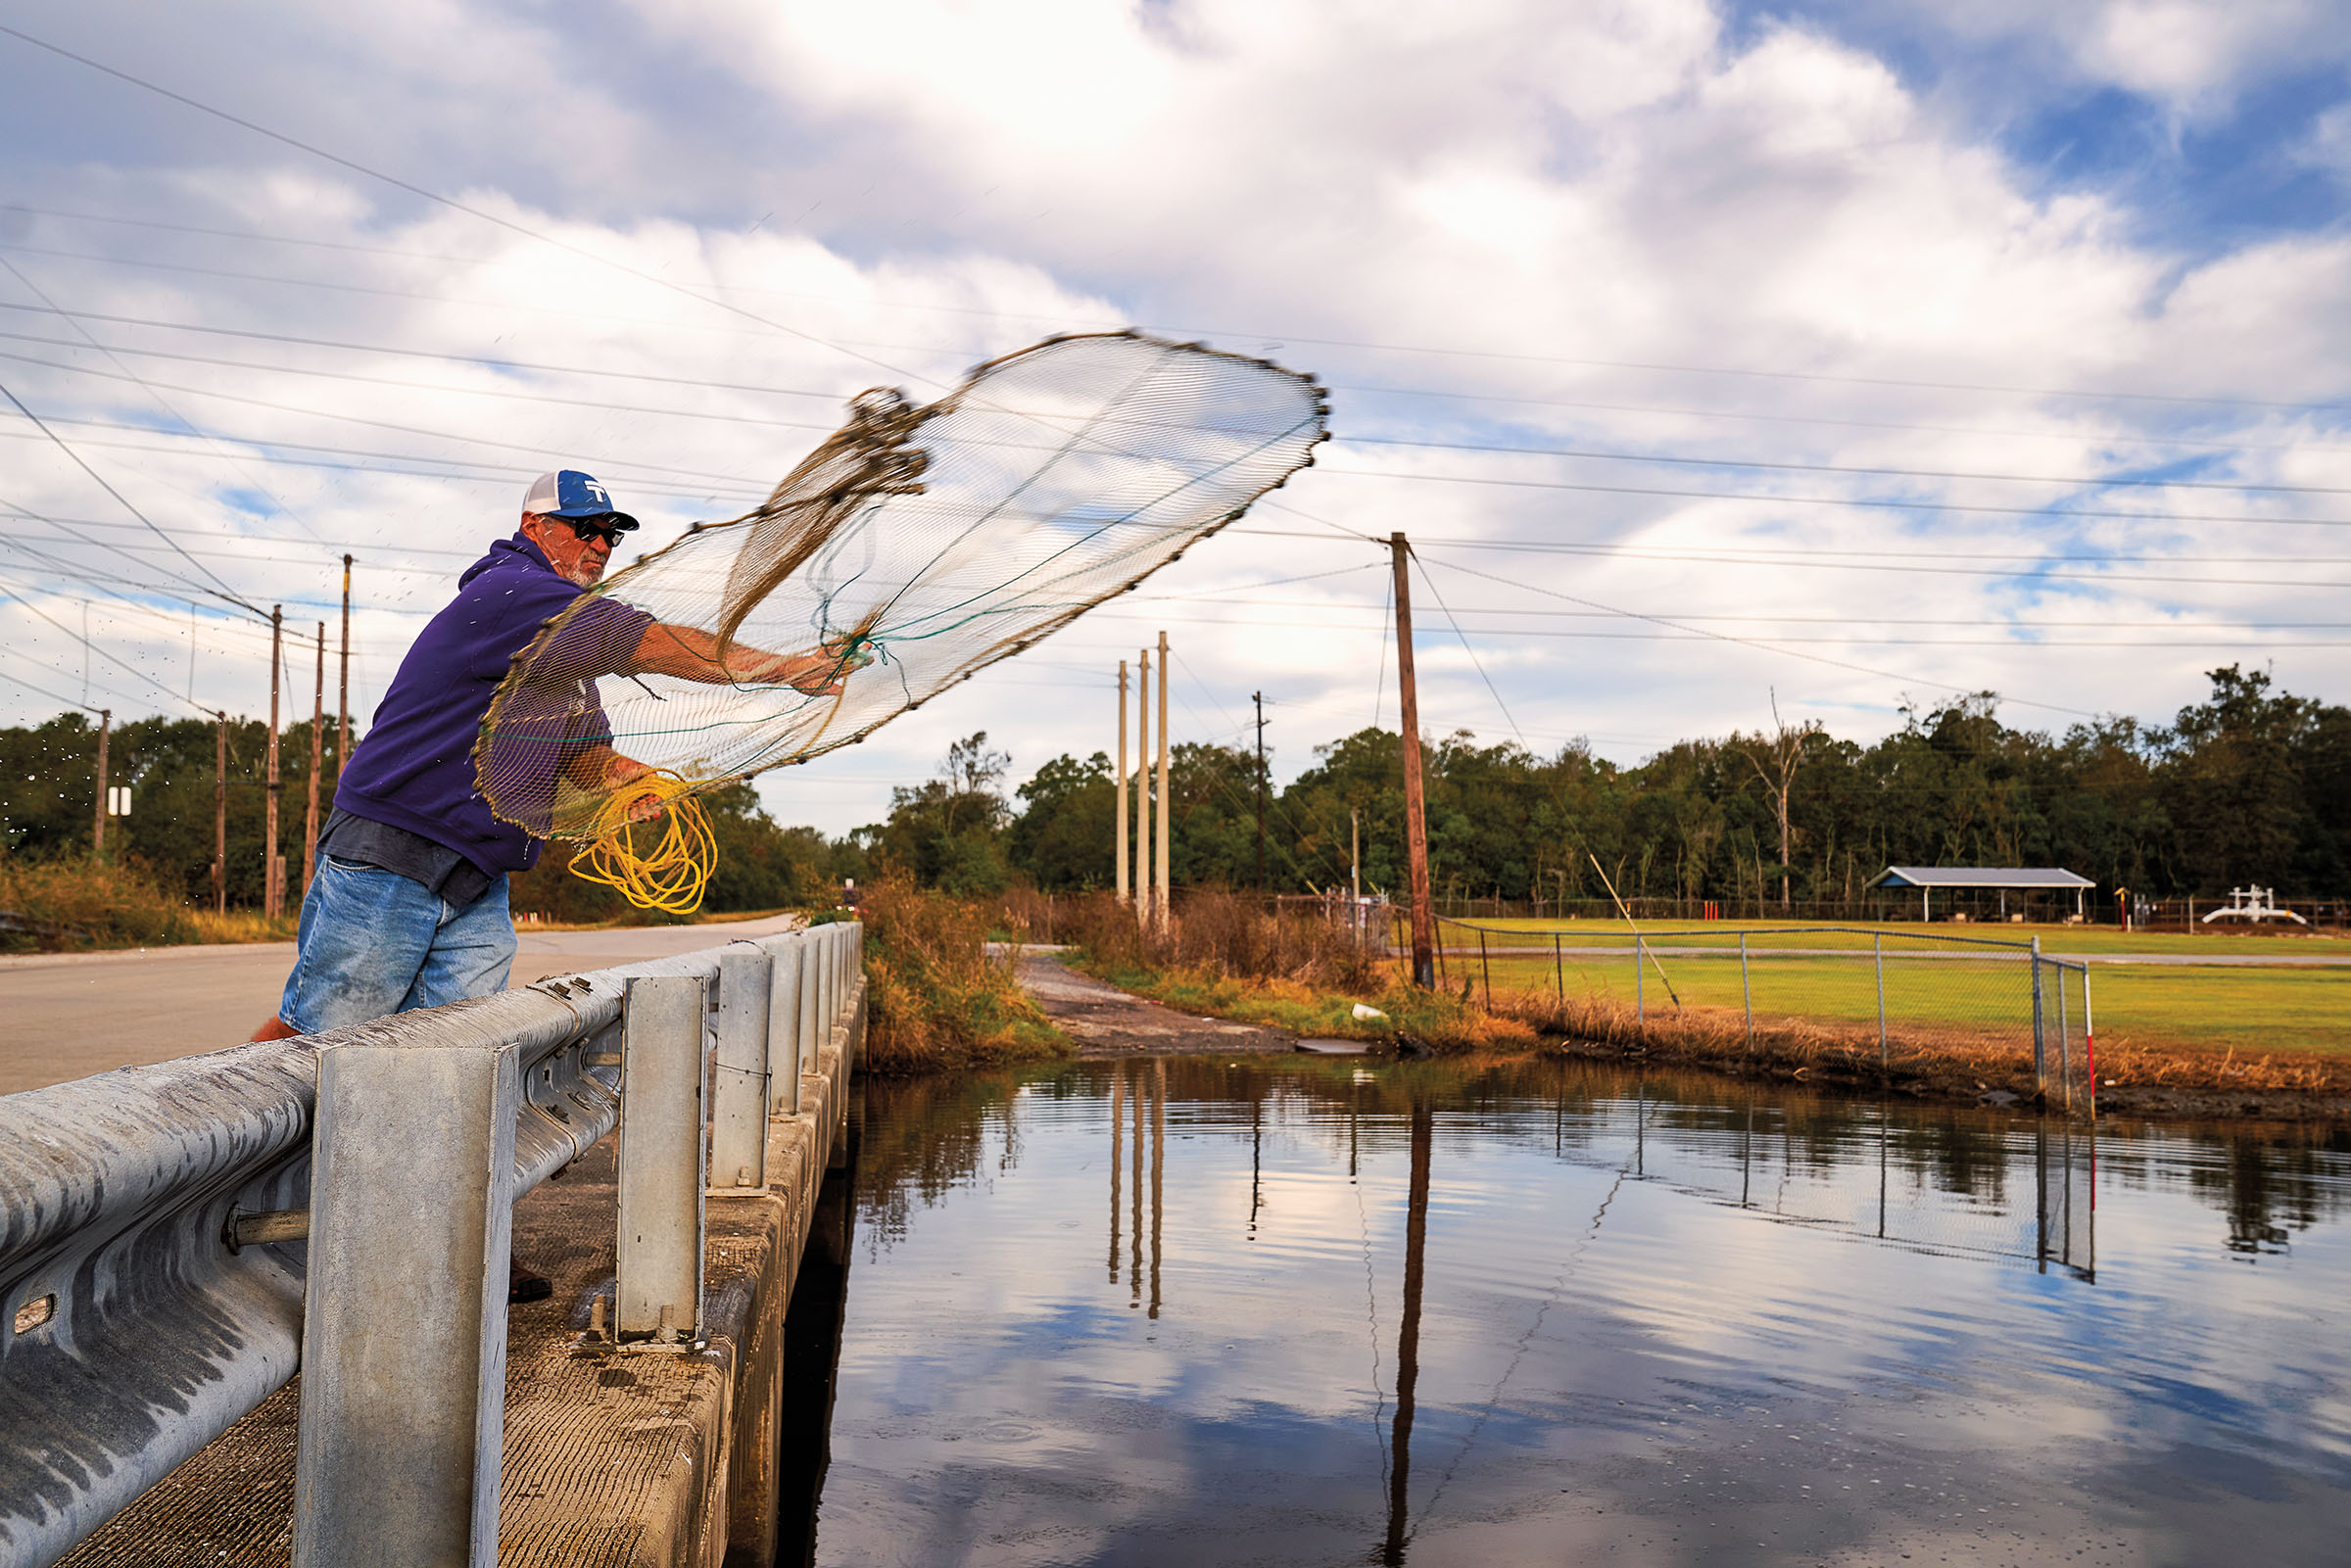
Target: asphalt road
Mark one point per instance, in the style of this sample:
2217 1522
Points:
66 1015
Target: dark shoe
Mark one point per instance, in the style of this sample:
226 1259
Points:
524 1286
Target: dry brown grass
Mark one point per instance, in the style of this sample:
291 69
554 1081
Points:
935 997
1834 1051
69 905
1214 935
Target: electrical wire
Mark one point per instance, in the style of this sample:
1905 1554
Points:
1228 334
1476 662
1767 648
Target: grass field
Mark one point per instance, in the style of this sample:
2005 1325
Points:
2246 1010
1898 935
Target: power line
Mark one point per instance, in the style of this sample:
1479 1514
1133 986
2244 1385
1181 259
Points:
1229 334
454 205
91 647
227 592
1725 637
1864 503
1475 661
2091 481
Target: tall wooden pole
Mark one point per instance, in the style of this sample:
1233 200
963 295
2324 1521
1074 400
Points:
310 820
106 719
343 698
1120 838
1415 816
221 811
1160 891
1143 902
1259 697
273 890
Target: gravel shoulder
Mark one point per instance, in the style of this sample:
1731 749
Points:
1107 1021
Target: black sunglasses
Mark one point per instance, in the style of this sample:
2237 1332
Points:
588 528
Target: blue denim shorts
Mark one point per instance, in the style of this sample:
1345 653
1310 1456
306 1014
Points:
372 941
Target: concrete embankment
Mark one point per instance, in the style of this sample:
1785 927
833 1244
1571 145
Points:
636 1458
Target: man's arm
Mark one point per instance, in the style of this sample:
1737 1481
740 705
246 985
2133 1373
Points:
689 654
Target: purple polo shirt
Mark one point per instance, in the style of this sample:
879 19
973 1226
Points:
415 770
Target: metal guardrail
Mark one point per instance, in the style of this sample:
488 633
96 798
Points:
176 1241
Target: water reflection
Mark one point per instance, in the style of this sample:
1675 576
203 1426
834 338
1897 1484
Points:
1526 1312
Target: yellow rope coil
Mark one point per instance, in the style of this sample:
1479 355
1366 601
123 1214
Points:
667 874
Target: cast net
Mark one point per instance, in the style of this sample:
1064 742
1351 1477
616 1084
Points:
915 547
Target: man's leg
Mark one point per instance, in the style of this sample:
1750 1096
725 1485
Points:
473 951
472 954
365 935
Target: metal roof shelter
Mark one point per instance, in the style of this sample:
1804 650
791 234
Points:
1983 879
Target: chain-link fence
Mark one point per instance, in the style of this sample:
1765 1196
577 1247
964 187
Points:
1887 997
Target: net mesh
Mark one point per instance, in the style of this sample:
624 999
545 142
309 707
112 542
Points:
916 546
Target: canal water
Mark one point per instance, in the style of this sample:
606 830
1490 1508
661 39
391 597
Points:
1305 1310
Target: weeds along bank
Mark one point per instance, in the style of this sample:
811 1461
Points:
76 904
936 995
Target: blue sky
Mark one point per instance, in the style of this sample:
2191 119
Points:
1834 326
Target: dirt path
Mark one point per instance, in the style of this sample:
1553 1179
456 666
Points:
1105 1020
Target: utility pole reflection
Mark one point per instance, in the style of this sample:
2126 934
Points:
1159 1134
1118 1157
1408 1333
1134 1241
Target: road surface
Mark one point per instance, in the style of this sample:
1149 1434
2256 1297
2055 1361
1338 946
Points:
65 1015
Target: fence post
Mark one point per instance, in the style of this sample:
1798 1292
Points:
2089 1053
1485 968
2065 1045
663 1169
739 1091
1640 975
783 1026
1559 974
1877 943
1746 993
2040 1071
404 1326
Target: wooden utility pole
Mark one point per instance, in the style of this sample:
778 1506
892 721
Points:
1160 891
273 890
1142 787
106 719
1259 697
343 698
1415 816
1120 837
221 811
310 820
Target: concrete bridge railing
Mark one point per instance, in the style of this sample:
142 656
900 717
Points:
177 1241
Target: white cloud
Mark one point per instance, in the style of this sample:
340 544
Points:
1553 198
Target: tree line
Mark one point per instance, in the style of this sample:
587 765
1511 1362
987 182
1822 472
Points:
2253 784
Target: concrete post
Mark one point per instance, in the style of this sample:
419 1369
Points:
811 956
739 1091
1640 975
784 1025
663 1163
405 1317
